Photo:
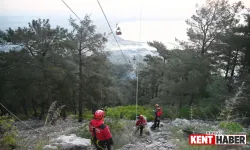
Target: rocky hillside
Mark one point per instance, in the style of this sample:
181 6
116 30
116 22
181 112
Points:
169 136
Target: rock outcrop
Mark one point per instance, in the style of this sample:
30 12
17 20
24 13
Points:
71 142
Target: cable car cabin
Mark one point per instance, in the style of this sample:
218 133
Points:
118 31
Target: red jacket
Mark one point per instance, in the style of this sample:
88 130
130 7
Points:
141 122
100 130
158 112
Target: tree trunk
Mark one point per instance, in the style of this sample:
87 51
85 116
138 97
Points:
45 95
228 62
247 59
24 104
227 67
180 103
172 103
227 70
191 100
152 93
234 63
156 90
42 111
203 49
64 113
80 86
74 102
34 107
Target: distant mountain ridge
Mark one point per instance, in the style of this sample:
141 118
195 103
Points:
128 49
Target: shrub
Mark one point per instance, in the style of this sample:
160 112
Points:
41 143
198 112
87 114
129 112
184 112
123 112
248 135
83 131
232 127
7 133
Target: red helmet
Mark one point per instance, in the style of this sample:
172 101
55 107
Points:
99 114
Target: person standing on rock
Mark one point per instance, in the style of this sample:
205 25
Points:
140 124
101 135
158 113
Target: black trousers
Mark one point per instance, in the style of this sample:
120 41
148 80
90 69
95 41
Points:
139 128
101 145
157 122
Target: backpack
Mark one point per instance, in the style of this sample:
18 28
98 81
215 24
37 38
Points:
102 126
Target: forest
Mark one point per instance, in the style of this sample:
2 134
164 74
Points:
71 67
206 78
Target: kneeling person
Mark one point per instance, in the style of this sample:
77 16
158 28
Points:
140 124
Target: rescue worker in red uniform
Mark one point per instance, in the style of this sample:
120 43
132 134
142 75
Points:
140 124
158 113
101 136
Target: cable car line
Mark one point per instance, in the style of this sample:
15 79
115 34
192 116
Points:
72 10
81 20
112 30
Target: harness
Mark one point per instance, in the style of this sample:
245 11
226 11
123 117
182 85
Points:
95 140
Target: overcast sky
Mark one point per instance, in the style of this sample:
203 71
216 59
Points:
161 19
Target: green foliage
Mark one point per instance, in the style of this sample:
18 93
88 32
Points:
8 133
40 144
198 112
248 135
129 112
166 112
55 65
73 116
216 17
185 145
83 131
87 114
232 127
184 112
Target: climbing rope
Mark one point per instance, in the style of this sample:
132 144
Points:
18 118
137 63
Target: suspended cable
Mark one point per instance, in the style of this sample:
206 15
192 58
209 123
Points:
137 65
112 31
18 118
71 10
80 19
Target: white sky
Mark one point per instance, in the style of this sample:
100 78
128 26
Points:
162 20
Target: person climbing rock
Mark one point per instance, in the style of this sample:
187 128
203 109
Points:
140 124
158 114
101 135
